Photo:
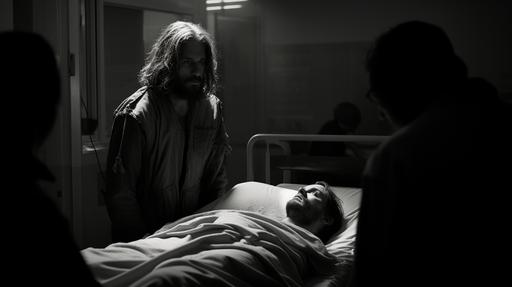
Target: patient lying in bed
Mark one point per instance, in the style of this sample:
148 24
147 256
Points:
229 247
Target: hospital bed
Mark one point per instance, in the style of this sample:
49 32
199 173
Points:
251 196
274 197
360 147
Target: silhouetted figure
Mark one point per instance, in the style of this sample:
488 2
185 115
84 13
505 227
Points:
39 249
346 119
169 144
335 162
434 209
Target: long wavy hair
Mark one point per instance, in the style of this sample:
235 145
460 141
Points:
161 66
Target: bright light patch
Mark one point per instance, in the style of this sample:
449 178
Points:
232 6
233 1
213 8
213 1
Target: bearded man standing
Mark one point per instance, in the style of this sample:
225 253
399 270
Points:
169 144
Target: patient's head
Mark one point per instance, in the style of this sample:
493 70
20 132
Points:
317 209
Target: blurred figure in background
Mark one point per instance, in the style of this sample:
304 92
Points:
434 209
338 163
345 121
38 241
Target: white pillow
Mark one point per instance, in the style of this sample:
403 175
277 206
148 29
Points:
264 198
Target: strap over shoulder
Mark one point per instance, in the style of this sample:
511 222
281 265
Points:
124 109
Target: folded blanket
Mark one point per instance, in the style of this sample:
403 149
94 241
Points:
220 247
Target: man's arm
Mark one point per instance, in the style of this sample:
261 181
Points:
123 171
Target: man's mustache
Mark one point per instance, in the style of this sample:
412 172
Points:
194 79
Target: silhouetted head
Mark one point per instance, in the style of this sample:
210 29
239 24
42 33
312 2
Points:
348 116
183 59
410 66
30 84
317 209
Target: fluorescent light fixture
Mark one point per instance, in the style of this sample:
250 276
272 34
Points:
232 6
223 1
213 8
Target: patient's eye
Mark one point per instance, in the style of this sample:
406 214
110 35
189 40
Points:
315 192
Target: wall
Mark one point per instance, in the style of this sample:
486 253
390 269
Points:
481 31
6 15
311 56
194 8
124 56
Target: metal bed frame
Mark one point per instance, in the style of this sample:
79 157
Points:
282 140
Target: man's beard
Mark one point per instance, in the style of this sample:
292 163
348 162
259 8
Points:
181 90
301 215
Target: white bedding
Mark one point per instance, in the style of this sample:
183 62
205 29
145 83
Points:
271 200
169 251
241 248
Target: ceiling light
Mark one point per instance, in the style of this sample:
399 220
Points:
231 6
213 8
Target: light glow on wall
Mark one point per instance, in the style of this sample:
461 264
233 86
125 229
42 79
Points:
213 8
232 6
217 7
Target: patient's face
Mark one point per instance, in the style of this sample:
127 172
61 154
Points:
307 206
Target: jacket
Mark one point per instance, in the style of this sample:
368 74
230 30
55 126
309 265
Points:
159 167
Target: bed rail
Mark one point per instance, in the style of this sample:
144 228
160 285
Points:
282 139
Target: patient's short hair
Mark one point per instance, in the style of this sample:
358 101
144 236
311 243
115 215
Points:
334 210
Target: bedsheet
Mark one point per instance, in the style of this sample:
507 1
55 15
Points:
270 200
219 247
